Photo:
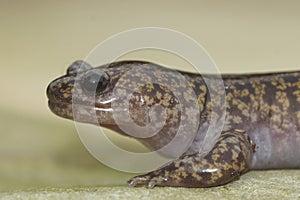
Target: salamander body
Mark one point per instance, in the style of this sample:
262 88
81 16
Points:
260 115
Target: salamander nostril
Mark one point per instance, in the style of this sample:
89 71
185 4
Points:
78 66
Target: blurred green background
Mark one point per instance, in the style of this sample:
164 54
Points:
39 39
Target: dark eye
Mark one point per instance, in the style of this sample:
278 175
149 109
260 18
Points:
78 66
95 81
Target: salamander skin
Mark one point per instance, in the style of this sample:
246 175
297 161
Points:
261 128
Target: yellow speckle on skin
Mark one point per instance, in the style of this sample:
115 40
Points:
229 97
275 108
246 113
245 92
237 119
215 156
183 174
158 95
196 176
203 88
283 99
297 94
66 95
148 100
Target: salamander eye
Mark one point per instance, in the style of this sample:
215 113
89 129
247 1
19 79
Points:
95 81
78 66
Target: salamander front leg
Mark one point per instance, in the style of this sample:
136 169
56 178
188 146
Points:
230 158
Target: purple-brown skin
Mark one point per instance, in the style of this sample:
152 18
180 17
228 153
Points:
261 131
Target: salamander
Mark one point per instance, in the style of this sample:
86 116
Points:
261 128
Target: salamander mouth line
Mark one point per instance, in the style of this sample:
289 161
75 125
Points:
97 106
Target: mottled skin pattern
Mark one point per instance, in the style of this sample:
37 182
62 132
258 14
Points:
261 130
230 157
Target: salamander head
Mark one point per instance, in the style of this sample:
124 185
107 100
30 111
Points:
89 89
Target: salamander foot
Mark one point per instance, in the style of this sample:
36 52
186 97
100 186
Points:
230 158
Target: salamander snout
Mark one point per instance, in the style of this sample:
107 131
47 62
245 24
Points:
60 90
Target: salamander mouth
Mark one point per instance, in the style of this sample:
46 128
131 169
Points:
81 113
